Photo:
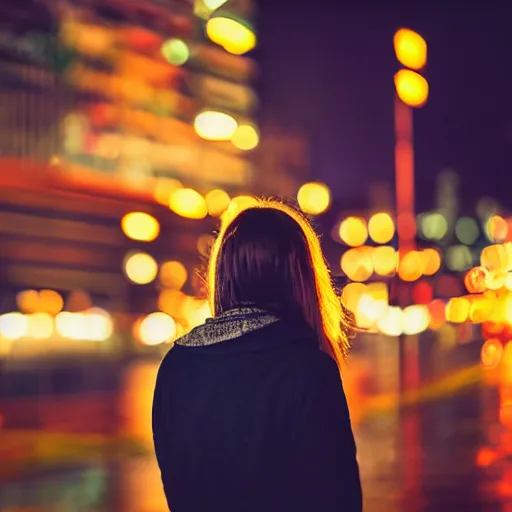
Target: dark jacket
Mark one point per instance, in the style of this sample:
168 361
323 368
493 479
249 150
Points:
258 423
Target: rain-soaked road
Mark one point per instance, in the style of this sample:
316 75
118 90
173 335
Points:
449 449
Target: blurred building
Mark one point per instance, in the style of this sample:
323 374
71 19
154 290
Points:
112 108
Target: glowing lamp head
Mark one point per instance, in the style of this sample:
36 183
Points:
234 34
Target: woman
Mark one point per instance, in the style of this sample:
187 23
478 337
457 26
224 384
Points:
249 412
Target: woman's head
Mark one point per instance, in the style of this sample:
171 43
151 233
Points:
269 256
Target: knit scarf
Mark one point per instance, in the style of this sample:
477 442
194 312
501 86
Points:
227 326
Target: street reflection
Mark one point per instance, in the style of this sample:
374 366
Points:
447 449
139 479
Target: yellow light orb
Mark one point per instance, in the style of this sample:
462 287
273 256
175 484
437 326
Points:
410 266
457 310
243 202
357 263
411 88
233 35
496 229
416 319
431 261
237 205
140 226
173 274
353 231
351 295
381 228
491 353
246 137
28 301
140 268
385 260
217 201
391 322
188 203
99 325
314 198
157 328
214 125
40 326
13 325
164 189
410 48
50 302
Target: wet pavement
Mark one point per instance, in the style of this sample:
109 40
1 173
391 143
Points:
449 452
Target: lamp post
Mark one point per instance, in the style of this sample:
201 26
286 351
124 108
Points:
411 92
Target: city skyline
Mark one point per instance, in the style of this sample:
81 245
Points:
331 77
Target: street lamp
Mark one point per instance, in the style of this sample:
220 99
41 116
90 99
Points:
411 92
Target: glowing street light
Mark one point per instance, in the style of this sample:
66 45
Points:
411 88
410 49
234 34
411 92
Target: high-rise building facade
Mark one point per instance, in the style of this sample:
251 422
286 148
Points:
110 108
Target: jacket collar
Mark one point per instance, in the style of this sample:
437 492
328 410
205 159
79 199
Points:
228 326
268 336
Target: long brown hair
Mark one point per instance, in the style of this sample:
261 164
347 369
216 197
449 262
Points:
268 255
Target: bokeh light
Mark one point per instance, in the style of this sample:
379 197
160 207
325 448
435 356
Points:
188 203
173 274
217 201
385 260
246 137
410 48
140 226
234 34
13 325
381 228
214 125
496 229
314 198
353 231
28 301
157 328
431 261
458 258
357 263
410 266
176 51
491 353
411 88
467 230
433 226
415 319
140 267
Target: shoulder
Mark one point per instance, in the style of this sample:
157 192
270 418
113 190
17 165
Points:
313 367
169 360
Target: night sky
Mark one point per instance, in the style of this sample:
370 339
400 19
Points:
327 72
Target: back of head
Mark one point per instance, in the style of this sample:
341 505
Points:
269 256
